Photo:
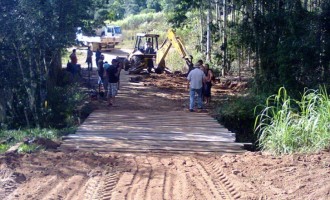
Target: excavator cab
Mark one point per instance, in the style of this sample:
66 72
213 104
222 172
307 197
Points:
144 53
146 43
148 55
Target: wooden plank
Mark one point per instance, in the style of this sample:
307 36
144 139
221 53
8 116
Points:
153 150
169 130
152 143
132 146
155 132
156 137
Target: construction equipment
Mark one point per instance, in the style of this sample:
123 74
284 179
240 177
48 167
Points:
147 54
105 38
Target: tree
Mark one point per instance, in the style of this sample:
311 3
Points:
151 4
33 33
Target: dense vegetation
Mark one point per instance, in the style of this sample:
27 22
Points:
280 42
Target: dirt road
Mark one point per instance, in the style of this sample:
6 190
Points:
74 175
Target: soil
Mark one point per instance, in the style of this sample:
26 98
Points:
55 174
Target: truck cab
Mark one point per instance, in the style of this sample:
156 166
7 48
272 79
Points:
109 31
105 38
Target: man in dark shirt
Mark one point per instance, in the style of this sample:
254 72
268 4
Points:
113 77
89 59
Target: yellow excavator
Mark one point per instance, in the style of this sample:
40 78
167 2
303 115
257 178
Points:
148 55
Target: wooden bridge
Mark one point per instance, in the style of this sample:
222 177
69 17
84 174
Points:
134 126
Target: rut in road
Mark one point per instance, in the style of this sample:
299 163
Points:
162 177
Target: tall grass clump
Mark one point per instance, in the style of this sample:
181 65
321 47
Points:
287 126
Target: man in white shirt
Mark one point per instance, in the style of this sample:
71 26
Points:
196 78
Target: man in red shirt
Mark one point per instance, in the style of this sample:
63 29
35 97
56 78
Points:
73 57
74 61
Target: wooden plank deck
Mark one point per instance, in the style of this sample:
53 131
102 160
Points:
145 131
135 126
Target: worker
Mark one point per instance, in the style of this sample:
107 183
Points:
100 69
89 59
195 78
208 83
148 43
74 63
106 66
189 63
113 75
149 49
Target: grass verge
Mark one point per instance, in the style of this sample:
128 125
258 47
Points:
287 126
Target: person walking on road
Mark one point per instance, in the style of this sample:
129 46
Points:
89 59
97 55
100 69
196 78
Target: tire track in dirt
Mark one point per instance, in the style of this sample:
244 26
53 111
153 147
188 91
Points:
64 189
126 175
168 179
46 184
155 189
221 183
140 184
7 182
76 190
133 180
220 179
108 183
200 187
181 188
92 187
211 184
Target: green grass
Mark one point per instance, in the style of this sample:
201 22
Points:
287 126
29 148
4 148
19 135
12 137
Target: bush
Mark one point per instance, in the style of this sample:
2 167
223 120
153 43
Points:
63 107
287 126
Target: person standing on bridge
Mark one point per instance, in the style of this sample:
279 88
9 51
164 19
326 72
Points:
106 66
196 78
113 78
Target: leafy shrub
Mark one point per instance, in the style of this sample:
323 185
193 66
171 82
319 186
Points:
287 126
62 111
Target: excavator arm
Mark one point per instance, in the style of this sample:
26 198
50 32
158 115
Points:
171 39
